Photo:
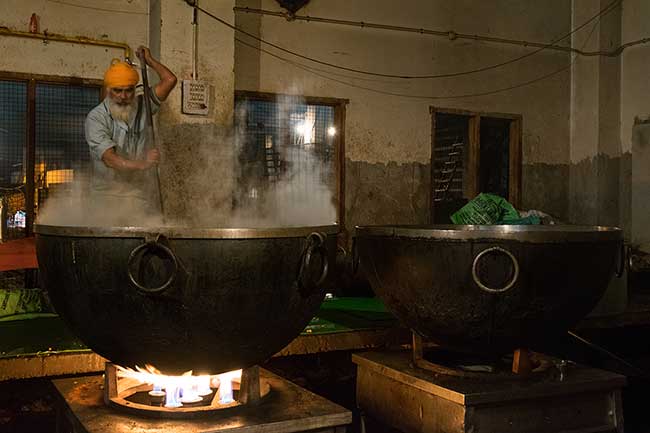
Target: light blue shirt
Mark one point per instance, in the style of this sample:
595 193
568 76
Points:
129 140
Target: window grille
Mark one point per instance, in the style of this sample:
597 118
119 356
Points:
13 139
62 155
287 153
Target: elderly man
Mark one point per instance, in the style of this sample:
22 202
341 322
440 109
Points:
123 184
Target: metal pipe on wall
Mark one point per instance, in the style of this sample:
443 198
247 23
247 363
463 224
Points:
195 39
55 37
451 35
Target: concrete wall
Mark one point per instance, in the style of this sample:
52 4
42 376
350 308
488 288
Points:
388 144
634 126
199 172
129 25
595 105
195 148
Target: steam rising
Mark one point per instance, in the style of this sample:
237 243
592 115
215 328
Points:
274 169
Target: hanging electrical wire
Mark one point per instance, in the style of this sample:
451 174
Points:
432 97
601 13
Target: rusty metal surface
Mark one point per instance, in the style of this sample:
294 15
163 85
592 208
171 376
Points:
522 233
183 232
391 390
468 391
529 291
208 305
288 408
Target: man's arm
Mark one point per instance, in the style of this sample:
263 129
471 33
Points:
117 162
167 77
102 146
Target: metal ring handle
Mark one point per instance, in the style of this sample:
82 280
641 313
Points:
166 250
510 283
316 244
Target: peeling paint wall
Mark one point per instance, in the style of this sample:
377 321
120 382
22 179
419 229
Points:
582 162
388 144
198 174
128 23
595 106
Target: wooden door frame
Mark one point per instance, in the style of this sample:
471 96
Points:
472 169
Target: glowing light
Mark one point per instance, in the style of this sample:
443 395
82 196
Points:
331 131
305 130
225 386
185 388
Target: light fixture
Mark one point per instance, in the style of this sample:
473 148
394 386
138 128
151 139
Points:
331 131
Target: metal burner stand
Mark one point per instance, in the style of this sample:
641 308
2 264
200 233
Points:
250 391
288 408
391 389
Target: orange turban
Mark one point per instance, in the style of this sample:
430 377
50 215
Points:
120 74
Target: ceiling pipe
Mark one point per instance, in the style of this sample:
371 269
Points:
55 37
451 35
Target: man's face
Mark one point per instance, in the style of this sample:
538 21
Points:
122 95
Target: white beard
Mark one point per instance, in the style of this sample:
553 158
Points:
121 112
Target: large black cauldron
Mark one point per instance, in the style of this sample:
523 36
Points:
489 288
210 300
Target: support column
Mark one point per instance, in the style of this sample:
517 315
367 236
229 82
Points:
197 172
595 112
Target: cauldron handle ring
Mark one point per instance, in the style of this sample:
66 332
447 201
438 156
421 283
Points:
316 244
152 244
510 283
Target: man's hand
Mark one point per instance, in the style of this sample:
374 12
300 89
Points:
152 157
167 77
144 52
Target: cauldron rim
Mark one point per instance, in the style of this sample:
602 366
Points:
178 232
523 233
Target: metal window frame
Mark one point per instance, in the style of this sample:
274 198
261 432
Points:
339 106
30 146
472 169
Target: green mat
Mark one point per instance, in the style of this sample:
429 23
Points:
31 334
34 333
349 314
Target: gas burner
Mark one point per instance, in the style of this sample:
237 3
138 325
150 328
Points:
483 366
286 408
147 392
443 361
392 389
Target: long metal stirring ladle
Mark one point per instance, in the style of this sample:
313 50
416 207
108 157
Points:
147 104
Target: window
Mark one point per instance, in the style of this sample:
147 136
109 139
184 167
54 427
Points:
473 153
289 152
42 145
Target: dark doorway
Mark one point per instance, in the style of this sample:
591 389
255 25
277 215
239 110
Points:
473 153
494 156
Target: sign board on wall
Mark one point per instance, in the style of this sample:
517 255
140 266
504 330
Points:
195 97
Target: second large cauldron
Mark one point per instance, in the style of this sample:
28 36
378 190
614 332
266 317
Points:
209 300
489 288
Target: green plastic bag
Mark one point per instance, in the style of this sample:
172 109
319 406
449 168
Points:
20 301
485 209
